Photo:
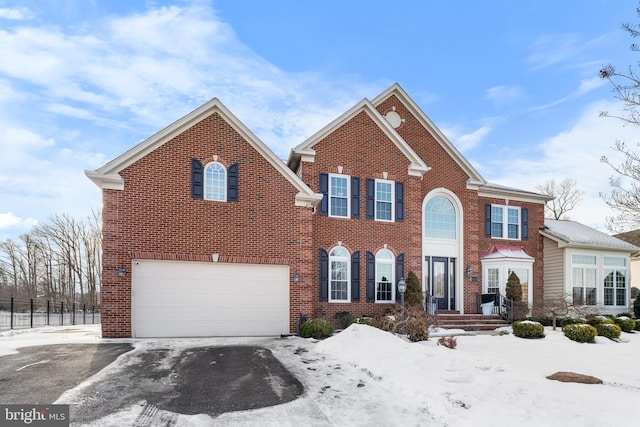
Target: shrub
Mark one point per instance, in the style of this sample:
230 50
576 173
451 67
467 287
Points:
636 308
449 342
386 323
528 329
572 321
580 332
413 295
344 319
608 330
316 328
599 320
627 324
514 288
417 330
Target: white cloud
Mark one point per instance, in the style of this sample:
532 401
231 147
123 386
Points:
9 220
553 49
15 13
465 140
503 94
574 153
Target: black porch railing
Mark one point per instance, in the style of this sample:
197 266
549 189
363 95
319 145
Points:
502 305
32 313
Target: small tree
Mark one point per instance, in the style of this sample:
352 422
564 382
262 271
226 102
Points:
514 288
514 292
635 292
636 308
413 295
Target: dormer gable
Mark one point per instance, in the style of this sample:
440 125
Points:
306 153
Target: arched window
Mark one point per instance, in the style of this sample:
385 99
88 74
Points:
440 218
215 183
385 281
339 284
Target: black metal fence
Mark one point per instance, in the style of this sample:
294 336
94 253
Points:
33 313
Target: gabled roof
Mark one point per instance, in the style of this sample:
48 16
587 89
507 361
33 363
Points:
507 251
474 176
573 234
305 151
475 181
108 176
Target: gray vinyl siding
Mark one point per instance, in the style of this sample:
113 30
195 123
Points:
554 286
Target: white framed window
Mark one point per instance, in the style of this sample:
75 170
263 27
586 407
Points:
505 222
385 280
215 182
339 283
339 194
440 218
497 272
384 200
615 281
493 280
583 279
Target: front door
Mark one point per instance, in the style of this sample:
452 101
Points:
442 281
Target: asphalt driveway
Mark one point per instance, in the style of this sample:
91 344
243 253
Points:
201 380
40 374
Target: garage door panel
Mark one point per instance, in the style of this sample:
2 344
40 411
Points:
171 298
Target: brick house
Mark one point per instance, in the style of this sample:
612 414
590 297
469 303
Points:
207 232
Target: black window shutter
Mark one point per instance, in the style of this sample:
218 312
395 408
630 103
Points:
525 223
371 277
197 179
399 201
487 220
324 189
355 276
399 273
371 198
355 197
324 275
232 183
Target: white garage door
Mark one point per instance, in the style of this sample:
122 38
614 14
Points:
197 299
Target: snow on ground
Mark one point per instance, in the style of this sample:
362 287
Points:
365 377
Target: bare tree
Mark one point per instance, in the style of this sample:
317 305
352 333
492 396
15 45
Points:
566 197
59 261
625 193
562 306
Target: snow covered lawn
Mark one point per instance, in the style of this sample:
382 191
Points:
366 377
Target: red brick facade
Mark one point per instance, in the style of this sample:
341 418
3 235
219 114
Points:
154 216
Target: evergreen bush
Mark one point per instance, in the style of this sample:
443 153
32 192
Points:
608 330
572 321
636 308
599 320
417 330
528 329
344 319
580 332
627 324
413 295
316 328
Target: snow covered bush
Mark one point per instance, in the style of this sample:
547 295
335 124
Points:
528 329
608 330
316 328
417 330
599 320
627 324
580 332
572 321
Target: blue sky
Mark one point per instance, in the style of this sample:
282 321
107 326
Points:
512 84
